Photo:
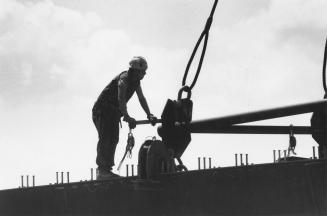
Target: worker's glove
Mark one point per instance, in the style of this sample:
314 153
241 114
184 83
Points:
131 122
153 120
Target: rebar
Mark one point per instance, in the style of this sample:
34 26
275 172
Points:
209 162
67 177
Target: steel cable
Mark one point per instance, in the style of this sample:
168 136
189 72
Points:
205 35
324 68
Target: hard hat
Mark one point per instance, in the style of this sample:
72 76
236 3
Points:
138 62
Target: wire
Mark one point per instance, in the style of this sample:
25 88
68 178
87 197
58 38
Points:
205 35
324 68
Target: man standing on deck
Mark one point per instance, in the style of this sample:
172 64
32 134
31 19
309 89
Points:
111 106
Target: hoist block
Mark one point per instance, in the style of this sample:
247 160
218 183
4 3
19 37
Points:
174 131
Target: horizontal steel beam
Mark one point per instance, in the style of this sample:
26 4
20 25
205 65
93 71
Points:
209 124
256 129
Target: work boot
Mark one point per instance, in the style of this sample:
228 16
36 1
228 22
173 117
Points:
104 175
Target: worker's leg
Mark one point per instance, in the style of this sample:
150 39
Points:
107 124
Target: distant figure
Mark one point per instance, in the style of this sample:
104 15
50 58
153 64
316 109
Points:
111 106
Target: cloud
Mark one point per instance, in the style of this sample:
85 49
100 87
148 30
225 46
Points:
46 49
50 52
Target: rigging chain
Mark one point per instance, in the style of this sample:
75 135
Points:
205 35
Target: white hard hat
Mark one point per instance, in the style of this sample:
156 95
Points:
138 62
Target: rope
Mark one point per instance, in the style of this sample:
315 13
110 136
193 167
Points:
205 35
324 69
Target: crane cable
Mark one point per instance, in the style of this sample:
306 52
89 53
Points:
205 35
324 69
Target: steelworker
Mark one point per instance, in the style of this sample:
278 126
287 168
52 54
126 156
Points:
111 106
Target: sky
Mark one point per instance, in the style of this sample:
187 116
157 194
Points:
56 56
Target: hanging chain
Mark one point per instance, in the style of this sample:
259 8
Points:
130 144
292 142
129 148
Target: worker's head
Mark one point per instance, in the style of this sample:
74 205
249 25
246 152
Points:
138 66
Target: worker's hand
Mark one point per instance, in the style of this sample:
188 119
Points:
152 119
131 121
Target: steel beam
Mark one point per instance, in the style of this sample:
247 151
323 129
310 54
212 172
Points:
210 124
255 129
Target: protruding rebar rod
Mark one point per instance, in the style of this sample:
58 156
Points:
285 154
204 162
279 154
132 169
62 177
57 178
199 163
67 177
241 157
22 180
235 159
33 180
247 159
314 152
209 162
27 181
274 156
126 170
91 174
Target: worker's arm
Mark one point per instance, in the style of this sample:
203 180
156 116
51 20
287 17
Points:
145 106
142 100
122 86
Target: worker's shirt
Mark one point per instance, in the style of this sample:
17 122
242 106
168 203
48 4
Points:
109 95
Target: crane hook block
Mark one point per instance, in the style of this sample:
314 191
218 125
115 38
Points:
174 130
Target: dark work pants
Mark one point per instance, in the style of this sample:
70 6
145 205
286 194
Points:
107 125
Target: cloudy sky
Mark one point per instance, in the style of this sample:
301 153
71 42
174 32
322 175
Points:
57 55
